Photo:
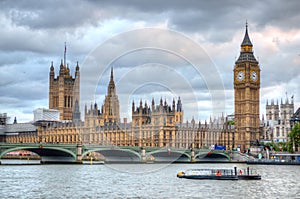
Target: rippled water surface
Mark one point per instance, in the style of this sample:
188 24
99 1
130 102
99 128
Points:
141 181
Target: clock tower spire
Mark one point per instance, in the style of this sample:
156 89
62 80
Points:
246 96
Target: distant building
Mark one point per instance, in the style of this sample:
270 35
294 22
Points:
278 119
3 118
20 129
16 132
42 114
295 118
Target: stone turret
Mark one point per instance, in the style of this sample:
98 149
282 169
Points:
161 114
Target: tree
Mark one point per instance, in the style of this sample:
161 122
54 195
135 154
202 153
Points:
295 135
230 122
273 146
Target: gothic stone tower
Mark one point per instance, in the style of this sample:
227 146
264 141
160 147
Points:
246 95
111 106
272 111
286 113
179 112
64 90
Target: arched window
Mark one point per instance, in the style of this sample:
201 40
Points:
65 101
284 114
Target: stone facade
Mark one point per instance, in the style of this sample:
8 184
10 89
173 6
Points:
159 126
186 135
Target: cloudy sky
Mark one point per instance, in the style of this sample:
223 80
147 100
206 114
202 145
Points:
158 49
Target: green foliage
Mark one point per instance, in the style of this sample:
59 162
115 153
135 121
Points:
273 145
289 146
294 136
280 146
230 122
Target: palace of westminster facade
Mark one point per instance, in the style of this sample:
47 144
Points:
153 125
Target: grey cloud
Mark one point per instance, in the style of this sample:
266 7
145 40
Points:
50 14
185 15
34 33
284 14
25 91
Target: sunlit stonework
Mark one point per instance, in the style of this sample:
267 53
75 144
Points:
246 96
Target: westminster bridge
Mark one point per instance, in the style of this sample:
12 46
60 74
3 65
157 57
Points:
76 153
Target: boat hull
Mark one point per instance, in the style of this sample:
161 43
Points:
209 177
272 163
249 177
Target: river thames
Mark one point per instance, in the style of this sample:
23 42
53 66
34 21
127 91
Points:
142 181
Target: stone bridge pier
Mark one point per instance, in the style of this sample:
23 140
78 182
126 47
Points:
143 155
193 155
79 153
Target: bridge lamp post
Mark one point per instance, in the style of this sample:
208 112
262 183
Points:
193 155
233 134
143 151
143 143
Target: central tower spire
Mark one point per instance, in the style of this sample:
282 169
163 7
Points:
112 74
111 91
111 105
246 53
246 40
65 54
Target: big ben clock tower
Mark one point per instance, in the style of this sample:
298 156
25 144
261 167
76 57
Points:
246 96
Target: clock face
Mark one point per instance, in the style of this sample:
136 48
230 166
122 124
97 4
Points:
240 76
254 76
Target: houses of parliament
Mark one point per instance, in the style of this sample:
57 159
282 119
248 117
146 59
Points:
159 124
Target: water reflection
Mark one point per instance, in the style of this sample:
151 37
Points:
128 181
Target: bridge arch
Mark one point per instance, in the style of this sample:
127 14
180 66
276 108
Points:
212 155
170 156
108 153
41 151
